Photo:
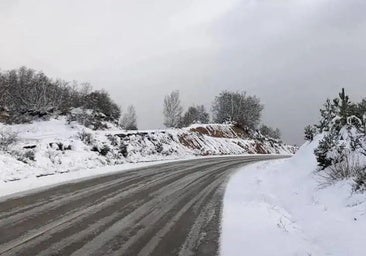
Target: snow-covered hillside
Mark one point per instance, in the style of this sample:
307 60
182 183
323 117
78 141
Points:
56 146
281 208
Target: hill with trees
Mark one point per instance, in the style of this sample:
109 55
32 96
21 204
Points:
27 95
52 126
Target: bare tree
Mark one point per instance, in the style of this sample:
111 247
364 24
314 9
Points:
28 95
237 107
31 91
172 110
128 120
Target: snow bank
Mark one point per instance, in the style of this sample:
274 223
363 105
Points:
277 208
53 147
37 183
45 148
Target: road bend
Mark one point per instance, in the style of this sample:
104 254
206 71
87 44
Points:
166 209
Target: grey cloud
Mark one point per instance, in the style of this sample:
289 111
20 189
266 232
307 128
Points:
297 63
293 54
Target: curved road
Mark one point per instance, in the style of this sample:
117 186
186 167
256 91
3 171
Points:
166 209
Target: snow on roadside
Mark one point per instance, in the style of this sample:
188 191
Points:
11 189
36 183
278 208
46 148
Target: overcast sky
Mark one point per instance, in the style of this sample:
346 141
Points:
292 54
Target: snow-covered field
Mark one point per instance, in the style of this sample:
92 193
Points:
279 208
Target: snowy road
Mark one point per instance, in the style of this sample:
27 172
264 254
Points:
167 209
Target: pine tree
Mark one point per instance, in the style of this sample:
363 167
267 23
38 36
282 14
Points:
344 107
310 132
361 113
321 152
328 113
336 115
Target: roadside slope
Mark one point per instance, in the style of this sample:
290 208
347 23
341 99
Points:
58 146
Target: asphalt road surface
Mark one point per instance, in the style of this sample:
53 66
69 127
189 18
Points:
167 209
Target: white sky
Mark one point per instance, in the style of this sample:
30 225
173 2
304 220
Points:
293 54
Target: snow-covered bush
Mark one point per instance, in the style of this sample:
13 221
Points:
310 132
26 156
123 149
360 180
114 140
341 153
7 138
89 118
346 165
86 137
104 150
322 152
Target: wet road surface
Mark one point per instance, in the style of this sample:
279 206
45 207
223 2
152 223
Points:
167 209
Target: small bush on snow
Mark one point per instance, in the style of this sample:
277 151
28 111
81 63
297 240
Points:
114 140
360 180
346 165
29 154
104 150
159 148
7 138
89 118
123 149
53 155
24 157
86 137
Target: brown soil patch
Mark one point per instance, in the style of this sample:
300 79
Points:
232 133
188 141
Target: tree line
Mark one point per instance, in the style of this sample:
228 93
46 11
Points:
237 108
27 95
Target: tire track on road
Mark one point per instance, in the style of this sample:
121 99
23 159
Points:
172 208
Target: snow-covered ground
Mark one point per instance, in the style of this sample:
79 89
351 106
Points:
279 208
57 147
